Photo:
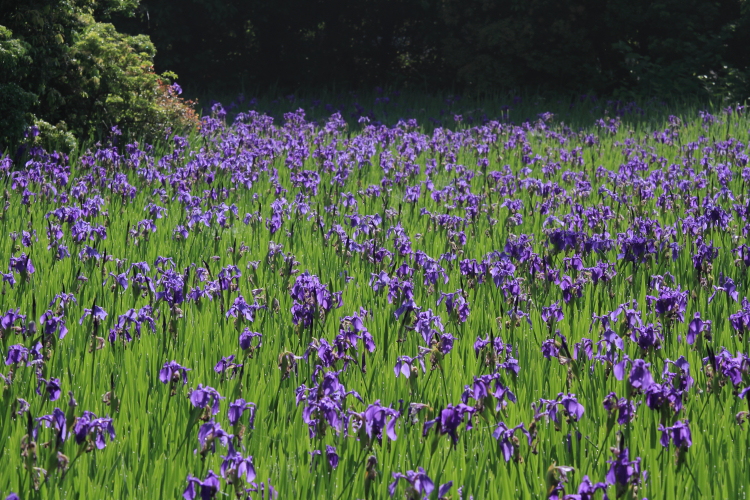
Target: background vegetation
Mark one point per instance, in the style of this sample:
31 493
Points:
76 68
609 46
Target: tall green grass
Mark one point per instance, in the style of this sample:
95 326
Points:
153 452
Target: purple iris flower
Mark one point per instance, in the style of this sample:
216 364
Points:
227 363
635 248
246 339
407 306
624 407
658 396
586 490
237 408
404 364
743 254
9 278
7 320
26 238
208 488
732 367
585 345
235 466
704 254
240 308
310 297
63 298
351 330
562 239
550 349
740 320
121 280
623 471
88 252
456 303
52 386
696 327
424 323
507 441
445 343
90 425
647 337
679 434
131 322
16 354
420 484
448 421
173 285
552 313
155 211
640 376
172 372
209 433
203 397
726 284
324 402
376 418
332 456
22 265
53 324
96 312
572 407
670 303
379 281
481 390
57 420
682 380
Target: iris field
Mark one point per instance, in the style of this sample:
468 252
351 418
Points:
288 308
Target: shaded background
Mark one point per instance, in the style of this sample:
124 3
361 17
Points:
73 71
608 47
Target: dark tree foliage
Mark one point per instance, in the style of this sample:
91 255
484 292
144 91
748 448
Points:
293 43
645 47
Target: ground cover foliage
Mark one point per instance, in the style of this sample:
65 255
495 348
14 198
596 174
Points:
298 309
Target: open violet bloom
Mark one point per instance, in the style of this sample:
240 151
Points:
419 484
332 457
376 418
96 312
205 397
208 488
449 420
236 466
22 265
623 471
57 421
507 441
16 354
726 285
237 408
679 434
624 407
89 425
172 372
696 327
209 433
586 490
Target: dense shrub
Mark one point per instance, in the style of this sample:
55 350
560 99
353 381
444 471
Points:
68 73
